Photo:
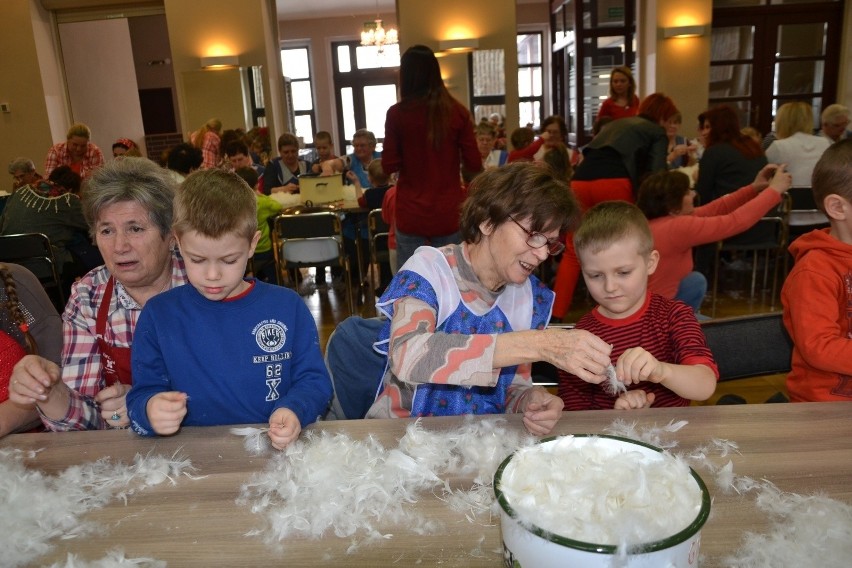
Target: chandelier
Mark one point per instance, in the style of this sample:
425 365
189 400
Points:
375 34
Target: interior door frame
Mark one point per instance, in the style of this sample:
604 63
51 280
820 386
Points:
766 20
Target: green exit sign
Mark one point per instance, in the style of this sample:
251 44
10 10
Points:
615 12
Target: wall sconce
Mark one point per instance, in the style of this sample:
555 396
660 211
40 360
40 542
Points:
220 61
684 31
447 46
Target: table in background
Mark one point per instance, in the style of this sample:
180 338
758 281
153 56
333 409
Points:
802 448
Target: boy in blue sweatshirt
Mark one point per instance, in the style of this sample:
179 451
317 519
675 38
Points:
224 349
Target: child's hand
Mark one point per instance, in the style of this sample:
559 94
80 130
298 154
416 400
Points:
634 399
284 428
636 365
166 411
541 411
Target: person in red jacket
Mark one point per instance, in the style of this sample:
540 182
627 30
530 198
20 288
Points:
817 295
428 136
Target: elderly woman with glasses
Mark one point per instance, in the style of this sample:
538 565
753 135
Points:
467 321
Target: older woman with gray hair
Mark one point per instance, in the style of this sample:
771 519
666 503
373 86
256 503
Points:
465 322
128 206
23 173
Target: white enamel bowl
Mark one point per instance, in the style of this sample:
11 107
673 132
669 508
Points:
528 546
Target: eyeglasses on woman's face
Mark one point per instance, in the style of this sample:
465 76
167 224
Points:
538 240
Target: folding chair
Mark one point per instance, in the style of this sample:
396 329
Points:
378 232
749 346
33 251
769 236
310 238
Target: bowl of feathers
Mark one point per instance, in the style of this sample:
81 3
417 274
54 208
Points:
596 501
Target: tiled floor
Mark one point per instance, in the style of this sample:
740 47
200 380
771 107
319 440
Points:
329 308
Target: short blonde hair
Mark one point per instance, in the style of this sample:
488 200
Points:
792 118
612 221
80 130
213 203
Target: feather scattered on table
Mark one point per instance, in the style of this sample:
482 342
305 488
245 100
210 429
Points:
331 484
114 559
38 508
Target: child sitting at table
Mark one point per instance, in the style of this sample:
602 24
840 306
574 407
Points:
324 147
817 295
660 352
224 350
263 261
373 198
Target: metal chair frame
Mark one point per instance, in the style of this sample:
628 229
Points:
379 233
34 252
777 247
304 238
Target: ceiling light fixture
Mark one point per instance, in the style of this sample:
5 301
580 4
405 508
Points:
375 34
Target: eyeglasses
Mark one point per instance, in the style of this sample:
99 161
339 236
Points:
538 240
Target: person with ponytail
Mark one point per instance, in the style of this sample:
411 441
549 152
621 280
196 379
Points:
29 324
428 136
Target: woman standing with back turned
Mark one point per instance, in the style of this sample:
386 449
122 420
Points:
429 192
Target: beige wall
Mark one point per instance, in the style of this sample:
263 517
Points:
677 67
491 21
25 131
221 27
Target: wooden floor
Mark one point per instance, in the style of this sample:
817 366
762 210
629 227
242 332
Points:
329 308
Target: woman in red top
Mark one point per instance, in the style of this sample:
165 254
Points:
677 225
428 136
622 101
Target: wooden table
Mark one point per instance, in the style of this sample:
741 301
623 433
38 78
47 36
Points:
802 448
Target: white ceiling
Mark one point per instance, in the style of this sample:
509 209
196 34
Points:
310 9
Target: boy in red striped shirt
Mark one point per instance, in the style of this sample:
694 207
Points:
659 351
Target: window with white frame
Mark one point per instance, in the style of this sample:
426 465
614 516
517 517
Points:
295 62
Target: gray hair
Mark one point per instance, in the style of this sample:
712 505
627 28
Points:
831 112
21 165
132 179
364 133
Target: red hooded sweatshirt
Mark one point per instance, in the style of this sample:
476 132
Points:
817 298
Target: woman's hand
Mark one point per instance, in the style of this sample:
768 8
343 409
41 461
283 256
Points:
166 411
579 352
284 428
773 176
541 411
33 379
112 403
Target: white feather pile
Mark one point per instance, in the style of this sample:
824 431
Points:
805 531
331 484
256 441
599 493
113 559
38 507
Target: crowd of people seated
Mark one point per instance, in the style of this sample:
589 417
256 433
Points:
474 222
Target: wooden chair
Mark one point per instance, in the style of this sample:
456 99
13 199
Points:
310 238
33 251
749 346
767 236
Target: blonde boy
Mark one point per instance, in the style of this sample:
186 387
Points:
817 294
660 352
224 349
